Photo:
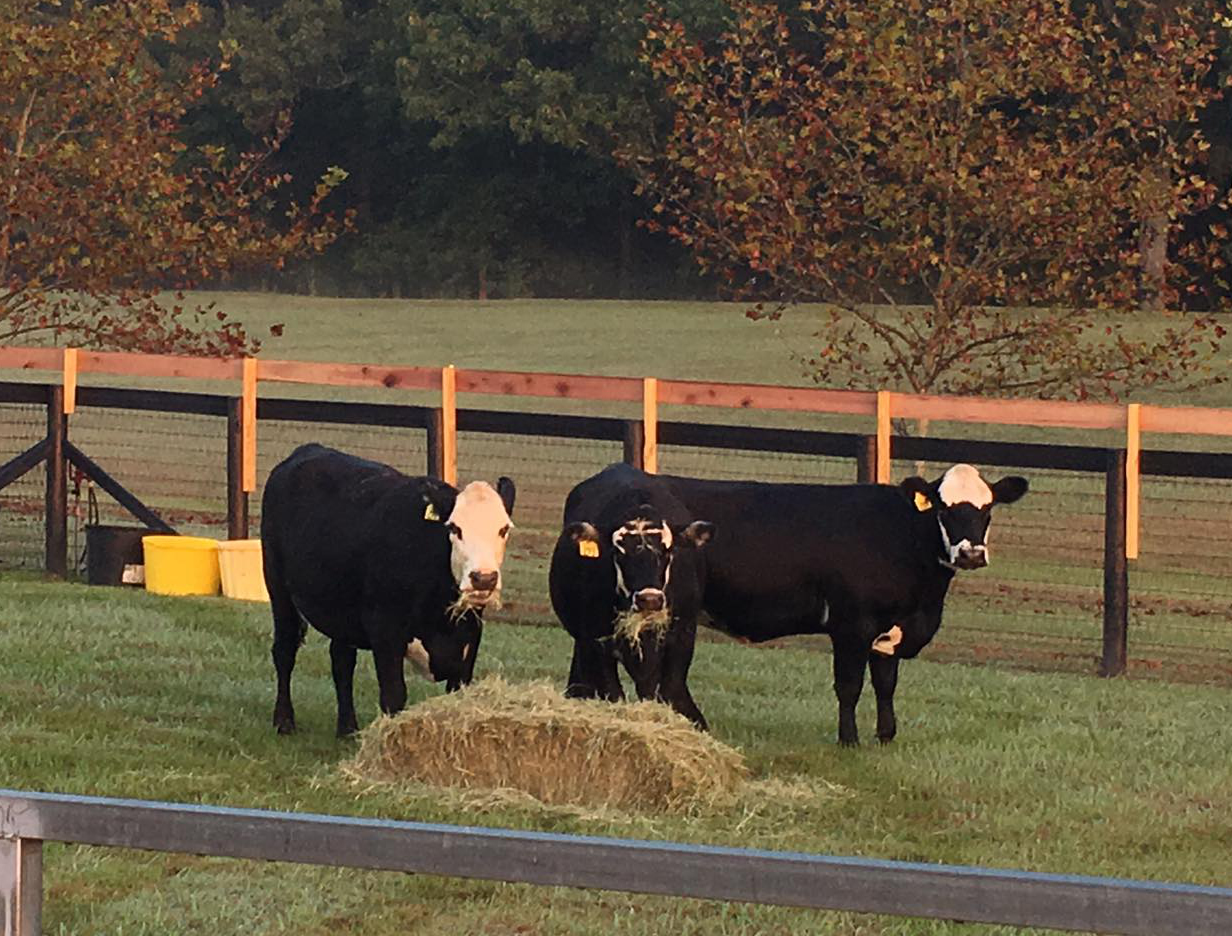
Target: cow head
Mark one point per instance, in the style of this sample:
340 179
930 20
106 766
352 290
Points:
478 526
962 502
643 547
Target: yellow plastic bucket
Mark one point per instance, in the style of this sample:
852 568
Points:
181 565
242 575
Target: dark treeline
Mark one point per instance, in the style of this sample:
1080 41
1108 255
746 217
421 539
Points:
477 135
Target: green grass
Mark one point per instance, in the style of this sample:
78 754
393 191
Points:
124 693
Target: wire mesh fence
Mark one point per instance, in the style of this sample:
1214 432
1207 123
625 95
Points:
1039 603
21 503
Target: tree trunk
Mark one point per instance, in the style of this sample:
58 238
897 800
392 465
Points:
483 283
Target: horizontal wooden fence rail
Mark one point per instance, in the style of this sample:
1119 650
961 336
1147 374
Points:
791 879
1133 419
631 432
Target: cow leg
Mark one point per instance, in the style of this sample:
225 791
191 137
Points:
288 635
884 671
390 676
581 683
608 680
593 673
849 663
342 662
674 687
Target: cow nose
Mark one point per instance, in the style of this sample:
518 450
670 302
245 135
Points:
975 557
648 599
484 581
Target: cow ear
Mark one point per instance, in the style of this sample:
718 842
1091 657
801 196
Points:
921 494
699 532
585 536
438 504
1008 490
507 491
581 531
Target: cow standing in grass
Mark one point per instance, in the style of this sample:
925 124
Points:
867 564
625 581
376 560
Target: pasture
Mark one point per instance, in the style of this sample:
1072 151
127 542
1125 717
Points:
119 692
1006 764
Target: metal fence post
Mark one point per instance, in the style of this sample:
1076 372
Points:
21 887
1116 568
237 497
56 506
635 438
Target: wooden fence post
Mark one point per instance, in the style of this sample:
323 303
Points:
70 380
1116 568
21 887
248 425
883 437
650 424
1133 478
635 441
866 459
55 559
449 425
237 497
435 429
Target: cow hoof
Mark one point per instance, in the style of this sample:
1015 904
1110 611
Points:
888 739
284 725
848 742
345 730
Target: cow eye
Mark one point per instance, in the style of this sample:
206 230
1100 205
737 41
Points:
504 531
454 530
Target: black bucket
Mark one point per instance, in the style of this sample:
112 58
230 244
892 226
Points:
109 549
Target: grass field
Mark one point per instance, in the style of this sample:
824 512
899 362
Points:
119 692
116 692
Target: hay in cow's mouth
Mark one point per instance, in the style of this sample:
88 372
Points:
630 625
468 601
495 736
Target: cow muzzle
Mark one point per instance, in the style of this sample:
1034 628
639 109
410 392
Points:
481 589
649 600
970 557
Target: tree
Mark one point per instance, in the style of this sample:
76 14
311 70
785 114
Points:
966 183
534 96
103 206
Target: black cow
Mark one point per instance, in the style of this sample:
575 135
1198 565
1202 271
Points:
625 581
379 561
867 564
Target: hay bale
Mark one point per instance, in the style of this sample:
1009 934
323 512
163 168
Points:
493 735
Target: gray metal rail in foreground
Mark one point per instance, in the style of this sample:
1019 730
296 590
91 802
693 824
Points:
1055 901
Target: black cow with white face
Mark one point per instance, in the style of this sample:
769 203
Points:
376 560
625 582
867 564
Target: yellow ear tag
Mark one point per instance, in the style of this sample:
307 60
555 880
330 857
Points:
588 549
431 514
922 503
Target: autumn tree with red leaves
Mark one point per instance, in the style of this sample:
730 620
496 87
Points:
103 208
971 186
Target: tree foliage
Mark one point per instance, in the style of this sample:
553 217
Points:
102 204
972 185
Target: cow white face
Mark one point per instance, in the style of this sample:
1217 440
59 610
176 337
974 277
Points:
962 502
478 529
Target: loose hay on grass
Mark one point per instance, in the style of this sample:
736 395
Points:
493 735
